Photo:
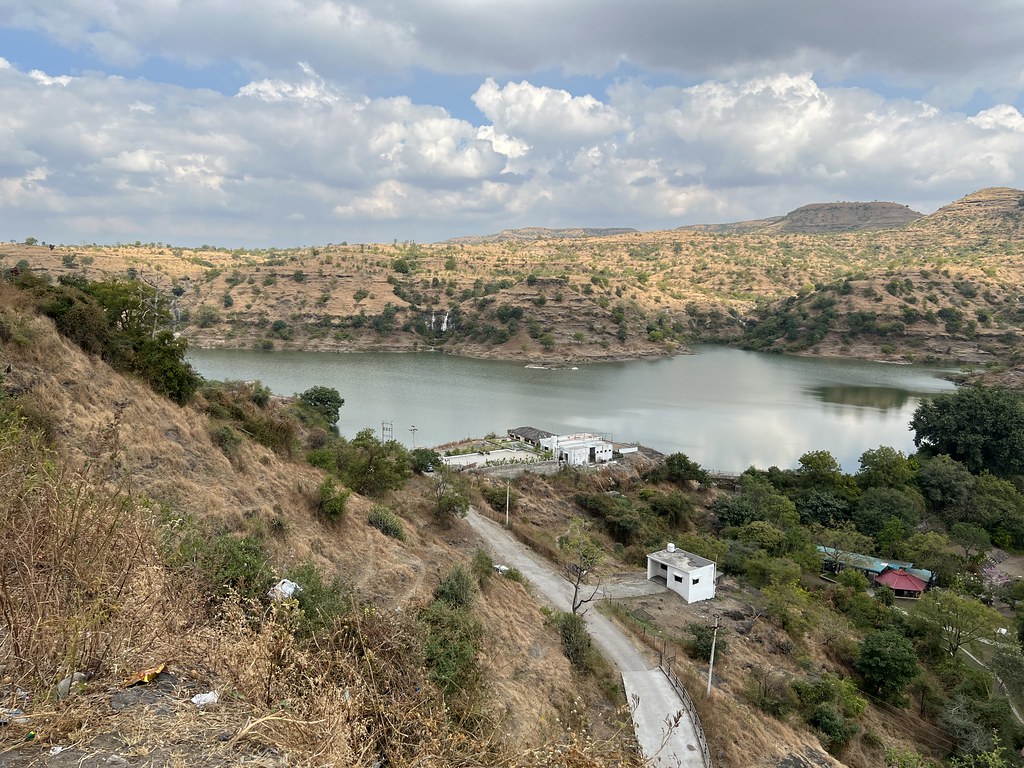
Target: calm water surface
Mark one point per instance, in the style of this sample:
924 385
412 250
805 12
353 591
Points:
725 408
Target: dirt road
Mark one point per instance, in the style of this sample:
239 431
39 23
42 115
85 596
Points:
653 700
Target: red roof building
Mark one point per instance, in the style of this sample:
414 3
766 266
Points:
902 583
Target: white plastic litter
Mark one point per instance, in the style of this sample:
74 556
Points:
283 590
202 699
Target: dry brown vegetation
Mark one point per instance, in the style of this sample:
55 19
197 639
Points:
579 297
95 580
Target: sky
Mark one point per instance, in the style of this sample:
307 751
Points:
280 123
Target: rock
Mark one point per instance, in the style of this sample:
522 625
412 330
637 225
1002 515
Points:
73 683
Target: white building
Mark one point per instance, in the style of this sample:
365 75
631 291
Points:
579 449
690 575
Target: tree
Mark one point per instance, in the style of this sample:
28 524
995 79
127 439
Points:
324 401
678 468
946 484
449 500
424 460
372 467
878 505
974 540
885 467
580 556
956 619
981 427
887 662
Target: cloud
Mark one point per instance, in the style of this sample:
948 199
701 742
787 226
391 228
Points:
943 53
299 158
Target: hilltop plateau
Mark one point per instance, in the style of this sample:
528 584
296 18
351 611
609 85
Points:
940 288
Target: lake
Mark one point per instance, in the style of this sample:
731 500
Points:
725 408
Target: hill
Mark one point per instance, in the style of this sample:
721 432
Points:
540 233
123 523
823 218
141 537
611 297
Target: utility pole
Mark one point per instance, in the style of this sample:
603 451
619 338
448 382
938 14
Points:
508 491
714 638
414 430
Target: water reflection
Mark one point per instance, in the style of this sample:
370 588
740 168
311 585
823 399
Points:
726 408
881 398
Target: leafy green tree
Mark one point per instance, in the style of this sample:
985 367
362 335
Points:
372 467
956 619
974 540
886 663
885 467
946 485
878 505
449 498
678 468
763 535
757 500
982 428
424 460
326 402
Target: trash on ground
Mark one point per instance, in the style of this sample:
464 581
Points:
145 676
202 699
283 590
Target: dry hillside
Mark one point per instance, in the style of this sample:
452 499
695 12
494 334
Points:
586 295
142 469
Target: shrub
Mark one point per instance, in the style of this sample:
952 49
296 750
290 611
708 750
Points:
699 647
576 642
483 566
495 497
325 402
457 588
322 602
386 521
514 574
331 501
452 643
227 440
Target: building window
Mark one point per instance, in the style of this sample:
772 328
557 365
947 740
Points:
663 566
696 581
679 579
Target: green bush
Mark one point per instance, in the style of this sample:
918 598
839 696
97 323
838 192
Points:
576 642
494 495
386 521
483 566
457 589
452 644
322 602
514 574
331 501
227 440
699 647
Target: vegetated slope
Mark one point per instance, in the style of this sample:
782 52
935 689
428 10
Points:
630 516
594 298
960 297
823 218
540 233
115 440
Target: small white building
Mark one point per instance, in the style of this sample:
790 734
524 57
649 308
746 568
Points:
579 449
689 575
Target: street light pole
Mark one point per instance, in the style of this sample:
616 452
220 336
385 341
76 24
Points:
714 639
508 491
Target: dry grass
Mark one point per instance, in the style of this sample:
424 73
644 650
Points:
86 589
705 282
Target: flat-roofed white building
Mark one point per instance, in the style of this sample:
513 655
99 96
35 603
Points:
689 575
578 449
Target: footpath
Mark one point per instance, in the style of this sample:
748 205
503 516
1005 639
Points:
663 726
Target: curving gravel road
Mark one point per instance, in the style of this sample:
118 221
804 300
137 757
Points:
654 702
